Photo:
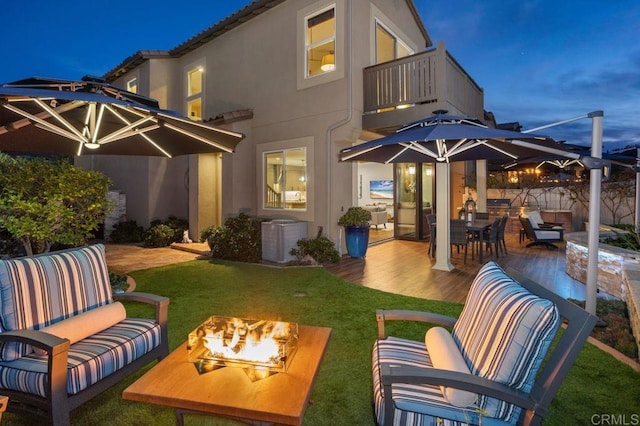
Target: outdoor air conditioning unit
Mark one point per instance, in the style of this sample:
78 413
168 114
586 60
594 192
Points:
279 237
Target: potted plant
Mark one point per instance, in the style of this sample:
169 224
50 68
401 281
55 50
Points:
356 226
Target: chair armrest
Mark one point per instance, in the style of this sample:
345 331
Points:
468 382
160 302
404 315
57 355
39 339
548 225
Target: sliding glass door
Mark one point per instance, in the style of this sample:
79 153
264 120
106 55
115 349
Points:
414 199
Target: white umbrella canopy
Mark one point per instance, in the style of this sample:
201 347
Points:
91 117
446 138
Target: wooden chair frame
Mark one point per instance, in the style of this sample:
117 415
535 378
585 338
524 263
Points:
535 404
56 406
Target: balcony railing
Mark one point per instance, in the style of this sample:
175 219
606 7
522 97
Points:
429 77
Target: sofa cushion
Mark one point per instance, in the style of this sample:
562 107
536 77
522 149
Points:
445 355
40 290
414 404
90 360
504 332
86 324
535 218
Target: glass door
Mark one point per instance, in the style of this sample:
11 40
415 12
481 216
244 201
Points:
428 197
405 203
414 199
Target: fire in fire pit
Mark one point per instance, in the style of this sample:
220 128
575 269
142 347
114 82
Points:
256 344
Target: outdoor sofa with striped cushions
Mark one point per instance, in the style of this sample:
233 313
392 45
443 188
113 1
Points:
62 285
503 334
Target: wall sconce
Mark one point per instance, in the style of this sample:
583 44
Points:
412 170
302 178
428 171
328 62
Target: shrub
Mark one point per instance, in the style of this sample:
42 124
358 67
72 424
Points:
127 232
159 236
206 233
322 249
238 239
179 225
118 282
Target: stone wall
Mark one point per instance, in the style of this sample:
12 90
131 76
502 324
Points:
632 282
618 273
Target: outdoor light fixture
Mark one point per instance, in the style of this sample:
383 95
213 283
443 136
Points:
328 62
91 145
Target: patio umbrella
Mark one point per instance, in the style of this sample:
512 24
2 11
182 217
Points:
446 138
442 139
91 117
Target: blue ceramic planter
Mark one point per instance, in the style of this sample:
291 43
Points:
357 238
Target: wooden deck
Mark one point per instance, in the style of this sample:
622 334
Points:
404 267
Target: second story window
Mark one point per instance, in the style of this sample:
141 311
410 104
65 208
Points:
320 42
388 45
132 85
195 83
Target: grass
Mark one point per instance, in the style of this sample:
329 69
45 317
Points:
342 393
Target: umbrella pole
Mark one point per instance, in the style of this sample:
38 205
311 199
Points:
443 217
594 213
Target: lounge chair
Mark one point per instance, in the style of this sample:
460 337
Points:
497 366
541 234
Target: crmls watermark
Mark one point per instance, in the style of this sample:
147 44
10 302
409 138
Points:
615 419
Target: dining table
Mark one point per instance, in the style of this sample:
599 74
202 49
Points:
478 226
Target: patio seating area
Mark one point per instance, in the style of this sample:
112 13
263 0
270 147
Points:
292 291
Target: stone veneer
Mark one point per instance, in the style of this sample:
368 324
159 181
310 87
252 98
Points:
618 273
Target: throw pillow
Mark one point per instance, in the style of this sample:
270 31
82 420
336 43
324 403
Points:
86 324
445 355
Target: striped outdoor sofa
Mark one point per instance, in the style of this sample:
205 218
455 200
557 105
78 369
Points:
489 369
63 336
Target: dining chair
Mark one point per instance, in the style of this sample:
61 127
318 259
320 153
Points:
502 244
431 223
459 236
491 239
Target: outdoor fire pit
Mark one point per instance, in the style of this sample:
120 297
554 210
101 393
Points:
261 347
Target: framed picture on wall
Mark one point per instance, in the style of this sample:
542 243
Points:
381 189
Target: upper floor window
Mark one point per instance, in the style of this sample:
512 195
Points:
285 179
195 84
320 42
388 45
132 85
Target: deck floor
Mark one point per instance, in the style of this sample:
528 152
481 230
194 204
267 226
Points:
404 267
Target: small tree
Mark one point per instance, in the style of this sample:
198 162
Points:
43 202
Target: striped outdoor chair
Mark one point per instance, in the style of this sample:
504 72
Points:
490 368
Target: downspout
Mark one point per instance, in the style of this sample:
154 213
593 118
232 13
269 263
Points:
340 123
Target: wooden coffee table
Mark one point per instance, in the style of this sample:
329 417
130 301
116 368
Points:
281 398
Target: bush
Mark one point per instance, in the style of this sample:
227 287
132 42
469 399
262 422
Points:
238 239
159 236
206 233
118 282
179 225
630 241
322 249
127 232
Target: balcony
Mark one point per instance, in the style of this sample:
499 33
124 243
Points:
412 87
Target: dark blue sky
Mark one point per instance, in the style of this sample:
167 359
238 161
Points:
539 61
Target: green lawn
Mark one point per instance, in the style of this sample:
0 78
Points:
597 384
